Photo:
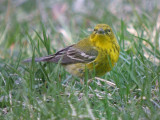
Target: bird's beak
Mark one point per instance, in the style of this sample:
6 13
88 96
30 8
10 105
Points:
100 31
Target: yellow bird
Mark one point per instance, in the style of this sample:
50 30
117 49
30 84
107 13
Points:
95 54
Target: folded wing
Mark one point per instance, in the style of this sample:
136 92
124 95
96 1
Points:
69 55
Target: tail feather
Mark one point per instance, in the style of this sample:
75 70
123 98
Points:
41 59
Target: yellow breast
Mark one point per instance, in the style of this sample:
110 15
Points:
105 60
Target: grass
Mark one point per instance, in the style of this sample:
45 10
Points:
46 91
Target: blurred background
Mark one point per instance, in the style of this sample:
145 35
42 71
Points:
68 21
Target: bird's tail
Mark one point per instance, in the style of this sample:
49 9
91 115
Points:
41 59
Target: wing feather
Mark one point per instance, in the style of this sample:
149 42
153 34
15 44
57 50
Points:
68 55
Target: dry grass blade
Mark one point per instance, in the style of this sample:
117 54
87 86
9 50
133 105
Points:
74 113
106 81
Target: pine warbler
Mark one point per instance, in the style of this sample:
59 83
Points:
96 54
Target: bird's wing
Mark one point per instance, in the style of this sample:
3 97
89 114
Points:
69 55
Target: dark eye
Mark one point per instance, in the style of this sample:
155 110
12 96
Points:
108 31
95 29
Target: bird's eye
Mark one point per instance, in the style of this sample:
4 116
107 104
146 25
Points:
108 31
95 29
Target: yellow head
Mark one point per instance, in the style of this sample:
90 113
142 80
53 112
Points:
102 34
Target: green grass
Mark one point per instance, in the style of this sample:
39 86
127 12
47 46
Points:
46 91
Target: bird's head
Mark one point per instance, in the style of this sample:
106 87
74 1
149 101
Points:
102 33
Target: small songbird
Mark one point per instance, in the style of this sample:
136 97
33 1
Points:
95 54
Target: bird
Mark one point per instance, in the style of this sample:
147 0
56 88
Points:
95 55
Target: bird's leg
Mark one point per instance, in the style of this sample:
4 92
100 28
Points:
90 80
82 81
